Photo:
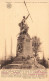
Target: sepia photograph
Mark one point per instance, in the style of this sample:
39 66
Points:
24 40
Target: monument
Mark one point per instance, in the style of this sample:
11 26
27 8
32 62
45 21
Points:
24 44
25 59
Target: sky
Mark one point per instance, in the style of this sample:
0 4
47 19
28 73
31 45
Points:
11 17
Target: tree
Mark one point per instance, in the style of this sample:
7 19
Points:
36 45
36 48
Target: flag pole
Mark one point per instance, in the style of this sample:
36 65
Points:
28 10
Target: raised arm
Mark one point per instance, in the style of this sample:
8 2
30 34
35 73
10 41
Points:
27 16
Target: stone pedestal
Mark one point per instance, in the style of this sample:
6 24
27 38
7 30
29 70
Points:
27 47
24 47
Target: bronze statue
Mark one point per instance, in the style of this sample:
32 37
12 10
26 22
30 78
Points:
23 26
